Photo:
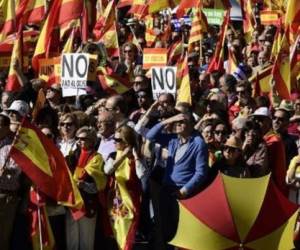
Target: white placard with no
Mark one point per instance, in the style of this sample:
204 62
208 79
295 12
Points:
74 73
163 80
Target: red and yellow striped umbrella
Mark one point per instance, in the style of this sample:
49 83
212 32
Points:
234 213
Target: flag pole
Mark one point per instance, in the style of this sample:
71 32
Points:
39 219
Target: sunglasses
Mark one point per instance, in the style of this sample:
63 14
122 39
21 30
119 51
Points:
66 124
127 51
220 132
81 138
230 149
276 118
118 140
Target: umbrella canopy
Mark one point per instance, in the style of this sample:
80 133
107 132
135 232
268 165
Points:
235 213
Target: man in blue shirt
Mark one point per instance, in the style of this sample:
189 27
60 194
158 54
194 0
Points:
187 168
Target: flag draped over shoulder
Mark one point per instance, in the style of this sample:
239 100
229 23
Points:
44 164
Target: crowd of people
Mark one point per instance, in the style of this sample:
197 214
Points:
130 154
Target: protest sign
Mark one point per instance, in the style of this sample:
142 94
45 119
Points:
74 73
214 16
49 69
163 80
154 57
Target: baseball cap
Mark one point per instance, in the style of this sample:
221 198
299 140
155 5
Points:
262 111
19 106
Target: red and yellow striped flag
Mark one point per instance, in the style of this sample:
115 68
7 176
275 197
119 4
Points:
34 13
175 52
199 26
217 61
248 18
110 40
112 83
232 63
13 83
282 68
184 91
139 8
105 22
7 18
186 4
292 16
44 164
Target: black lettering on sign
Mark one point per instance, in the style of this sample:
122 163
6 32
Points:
170 78
82 71
157 79
68 66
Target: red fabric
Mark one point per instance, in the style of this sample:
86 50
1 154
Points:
233 111
58 186
275 211
214 210
277 160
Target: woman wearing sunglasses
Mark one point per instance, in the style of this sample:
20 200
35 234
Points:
89 176
232 162
126 167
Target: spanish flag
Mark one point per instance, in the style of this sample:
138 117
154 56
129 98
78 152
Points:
184 91
248 18
34 12
13 83
37 214
186 4
269 17
105 21
282 68
139 8
7 18
112 83
124 203
174 52
218 58
44 164
292 16
232 62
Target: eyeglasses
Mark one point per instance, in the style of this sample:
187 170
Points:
66 124
276 118
81 138
230 149
141 95
220 132
118 140
109 109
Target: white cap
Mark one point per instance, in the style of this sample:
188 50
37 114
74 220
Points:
19 106
262 111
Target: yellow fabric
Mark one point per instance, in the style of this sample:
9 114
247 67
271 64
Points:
31 146
280 239
244 204
184 92
293 7
94 168
35 236
195 235
7 13
16 56
121 208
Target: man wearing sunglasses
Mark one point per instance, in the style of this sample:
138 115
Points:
186 168
275 146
